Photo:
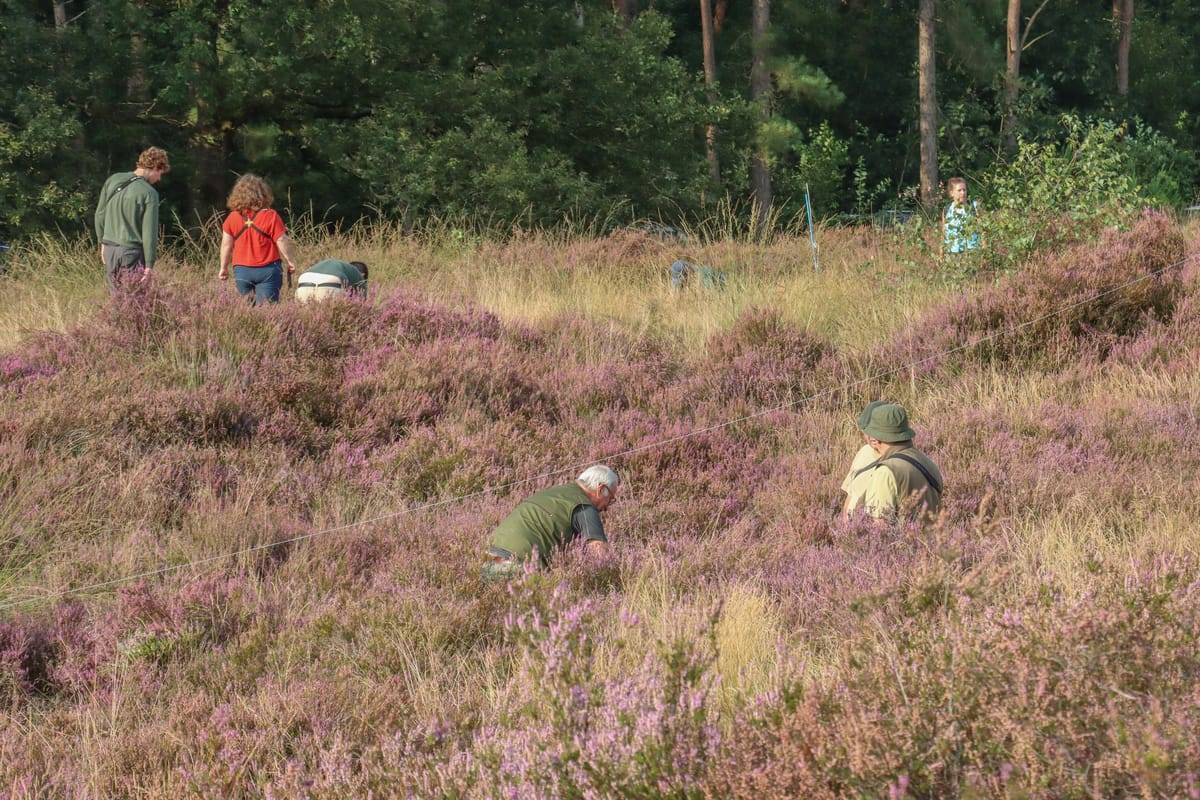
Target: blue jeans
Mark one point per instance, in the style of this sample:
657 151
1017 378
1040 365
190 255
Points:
264 281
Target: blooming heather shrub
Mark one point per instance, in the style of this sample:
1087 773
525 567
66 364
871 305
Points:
403 317
176 416
799 492
368 656
488 377
322 332
80 651
19 371
1045 698
699 481
857 572
1082 300
57 499
145 629
26 660
137 318
764 360
304 386
294 402
592 367
1058 455
349 558
419 387
458 457
566 731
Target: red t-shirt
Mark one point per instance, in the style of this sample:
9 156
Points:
254 237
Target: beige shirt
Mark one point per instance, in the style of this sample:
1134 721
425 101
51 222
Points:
856 487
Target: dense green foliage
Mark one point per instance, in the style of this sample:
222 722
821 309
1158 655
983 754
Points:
534 111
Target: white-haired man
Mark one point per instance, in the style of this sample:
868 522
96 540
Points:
551 520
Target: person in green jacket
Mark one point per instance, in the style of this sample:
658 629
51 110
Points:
550 521
127 219
331 277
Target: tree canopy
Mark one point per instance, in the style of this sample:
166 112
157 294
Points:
534 111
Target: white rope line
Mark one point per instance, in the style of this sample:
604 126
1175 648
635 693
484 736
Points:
612 457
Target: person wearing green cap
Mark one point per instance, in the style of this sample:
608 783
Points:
889 477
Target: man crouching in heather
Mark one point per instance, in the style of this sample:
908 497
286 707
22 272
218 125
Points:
888 474
550 521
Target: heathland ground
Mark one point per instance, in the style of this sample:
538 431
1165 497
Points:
239 546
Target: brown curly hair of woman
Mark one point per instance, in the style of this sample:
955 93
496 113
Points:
249 194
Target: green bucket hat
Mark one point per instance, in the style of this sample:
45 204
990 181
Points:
886 422
864 419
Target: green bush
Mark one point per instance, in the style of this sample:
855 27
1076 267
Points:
1098 175
819 163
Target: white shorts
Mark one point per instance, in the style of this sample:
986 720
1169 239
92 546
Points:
315 286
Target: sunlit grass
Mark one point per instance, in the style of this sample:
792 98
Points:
48 284
281 624
864 289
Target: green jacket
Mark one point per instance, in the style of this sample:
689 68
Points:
127 214
542 521
347 272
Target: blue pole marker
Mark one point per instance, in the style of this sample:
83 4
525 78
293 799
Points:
811 236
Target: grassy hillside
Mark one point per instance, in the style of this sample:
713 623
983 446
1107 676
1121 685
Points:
275 516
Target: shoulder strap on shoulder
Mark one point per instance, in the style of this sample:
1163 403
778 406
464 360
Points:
121 187
126 182
920 468
248 224
868 467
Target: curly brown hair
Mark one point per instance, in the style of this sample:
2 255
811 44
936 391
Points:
249 194
154 158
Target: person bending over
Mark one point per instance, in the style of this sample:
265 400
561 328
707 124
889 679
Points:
551 520
332 277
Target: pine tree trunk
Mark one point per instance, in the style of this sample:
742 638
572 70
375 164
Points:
760 91
1123 17
627 10
927 89
1012 73
710 78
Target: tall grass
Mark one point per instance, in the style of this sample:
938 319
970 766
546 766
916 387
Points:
49 283
290 503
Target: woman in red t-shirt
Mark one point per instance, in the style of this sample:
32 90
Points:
255 240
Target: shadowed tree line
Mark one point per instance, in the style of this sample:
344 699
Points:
536 111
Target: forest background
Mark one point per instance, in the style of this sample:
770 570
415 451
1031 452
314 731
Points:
528 113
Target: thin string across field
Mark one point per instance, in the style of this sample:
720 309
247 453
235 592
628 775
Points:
612 457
